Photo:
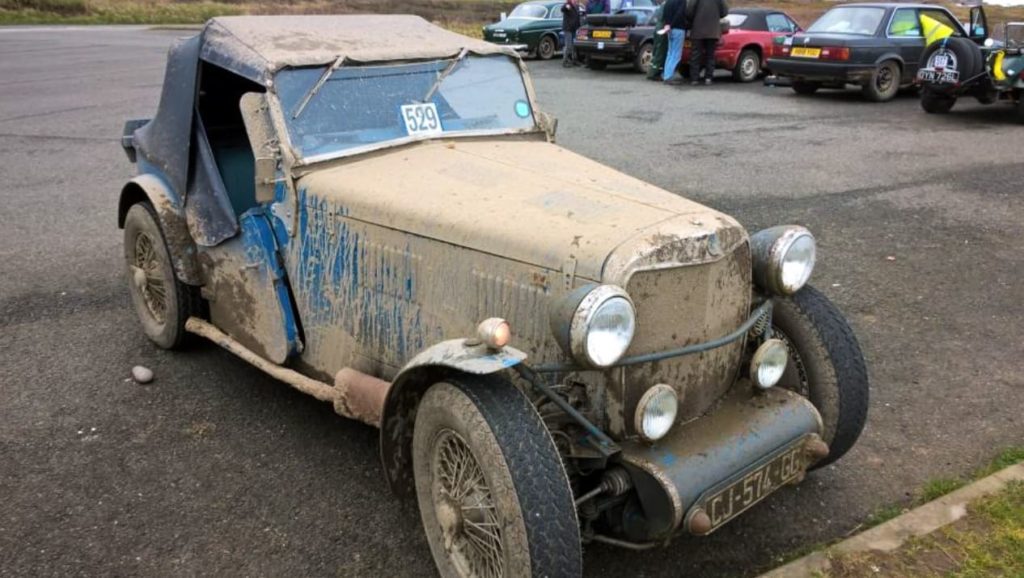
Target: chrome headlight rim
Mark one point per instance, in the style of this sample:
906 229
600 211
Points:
770 249
583 319
773 355
662 393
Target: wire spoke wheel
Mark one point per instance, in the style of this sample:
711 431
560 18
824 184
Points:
148 277
465 508
494 497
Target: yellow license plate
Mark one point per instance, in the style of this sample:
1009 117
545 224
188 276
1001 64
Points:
802 52
601 34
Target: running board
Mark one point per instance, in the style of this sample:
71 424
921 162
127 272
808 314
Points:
355 395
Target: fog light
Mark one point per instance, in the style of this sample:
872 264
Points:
494 332
769 363
656 412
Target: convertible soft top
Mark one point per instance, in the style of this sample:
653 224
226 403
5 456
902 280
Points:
258 46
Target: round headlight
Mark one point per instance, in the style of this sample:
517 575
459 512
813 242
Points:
602 327
656 412
783 258
769 363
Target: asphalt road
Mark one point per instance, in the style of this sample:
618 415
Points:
216 469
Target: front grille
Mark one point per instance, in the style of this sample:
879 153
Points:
682 306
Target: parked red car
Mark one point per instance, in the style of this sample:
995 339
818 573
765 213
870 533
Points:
745 48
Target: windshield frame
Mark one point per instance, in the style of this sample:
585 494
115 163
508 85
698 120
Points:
298 160
882 20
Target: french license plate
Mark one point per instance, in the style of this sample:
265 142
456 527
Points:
601 34
734 499
938 76
803 52
499 34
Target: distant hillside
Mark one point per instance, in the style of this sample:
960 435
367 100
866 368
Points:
465 16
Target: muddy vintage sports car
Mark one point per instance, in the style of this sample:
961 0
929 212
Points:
555 353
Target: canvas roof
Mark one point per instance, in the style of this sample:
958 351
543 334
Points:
258 46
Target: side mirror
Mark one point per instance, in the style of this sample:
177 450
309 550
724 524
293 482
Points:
723 24
548 123
263 140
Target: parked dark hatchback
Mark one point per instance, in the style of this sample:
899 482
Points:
875 46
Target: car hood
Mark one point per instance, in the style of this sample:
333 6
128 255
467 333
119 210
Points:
529 201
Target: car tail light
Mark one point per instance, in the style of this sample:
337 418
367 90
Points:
622 35
835 53
582 33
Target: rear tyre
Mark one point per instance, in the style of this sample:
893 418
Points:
493 494
825 365
643 58
884 83
936 103
967 59
546 48
162 302
748 66
805 88
596 64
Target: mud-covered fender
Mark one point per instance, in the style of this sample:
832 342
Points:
427 368
150 187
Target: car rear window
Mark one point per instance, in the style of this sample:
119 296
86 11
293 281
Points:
859 20
529 11
736 20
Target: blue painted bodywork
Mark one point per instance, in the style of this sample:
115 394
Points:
261 247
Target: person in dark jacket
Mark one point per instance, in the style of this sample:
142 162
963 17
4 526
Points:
705 29
675 26
570 24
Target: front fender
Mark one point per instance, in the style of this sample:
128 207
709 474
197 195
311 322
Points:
427 368
149 187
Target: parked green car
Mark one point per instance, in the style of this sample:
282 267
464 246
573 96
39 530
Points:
955 68
532 28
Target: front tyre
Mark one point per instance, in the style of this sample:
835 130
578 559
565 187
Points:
825 365
546 48
162 302
493 494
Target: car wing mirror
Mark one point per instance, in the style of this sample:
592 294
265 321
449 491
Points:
264 143
548 123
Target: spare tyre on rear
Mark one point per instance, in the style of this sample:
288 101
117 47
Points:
960 54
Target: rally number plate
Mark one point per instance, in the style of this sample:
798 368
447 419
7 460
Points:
421 119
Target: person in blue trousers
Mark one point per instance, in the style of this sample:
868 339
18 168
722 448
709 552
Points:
675 26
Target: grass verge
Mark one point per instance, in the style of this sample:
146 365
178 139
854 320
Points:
988 541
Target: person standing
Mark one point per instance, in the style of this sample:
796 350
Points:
570 24
660 45
705 18
675 26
